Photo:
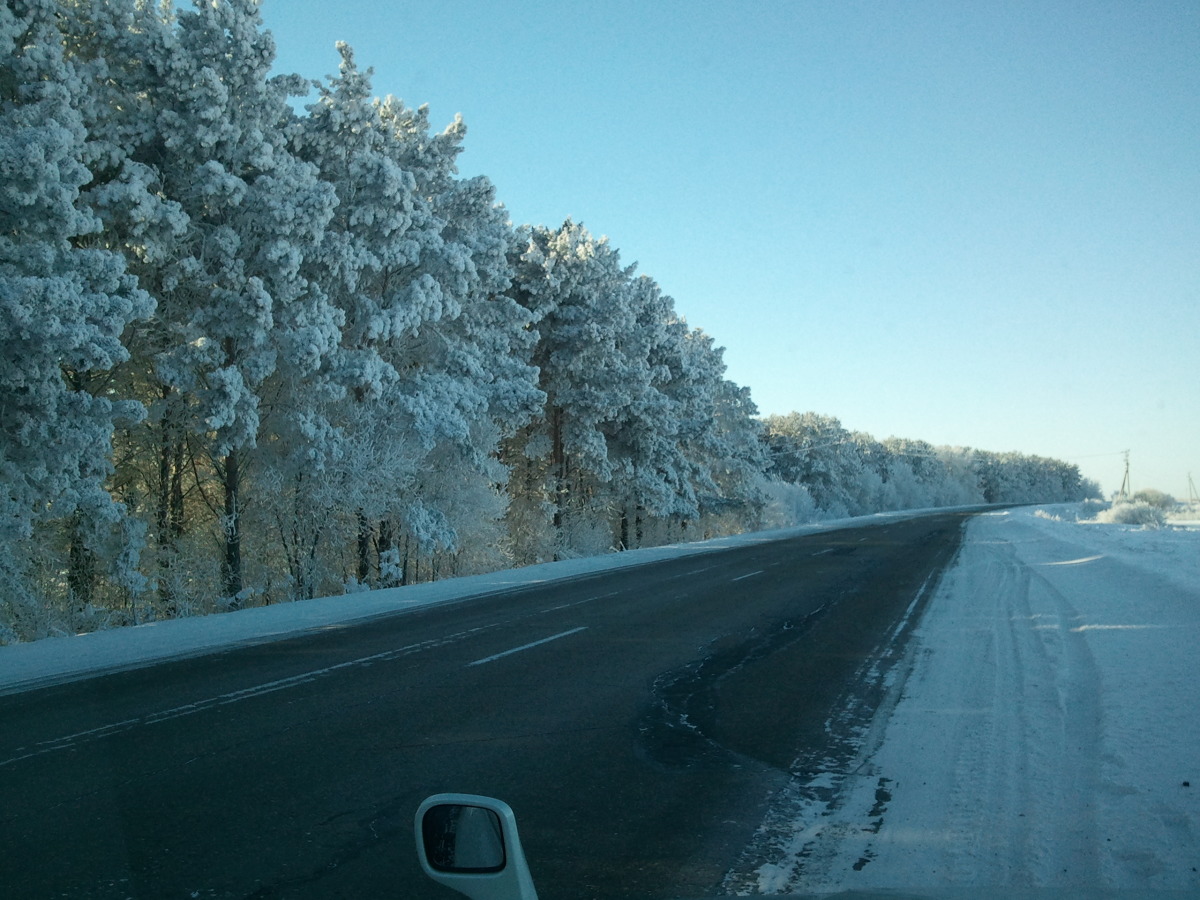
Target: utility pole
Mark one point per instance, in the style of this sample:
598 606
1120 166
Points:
1123 494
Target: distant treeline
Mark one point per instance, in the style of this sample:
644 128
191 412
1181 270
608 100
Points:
253 355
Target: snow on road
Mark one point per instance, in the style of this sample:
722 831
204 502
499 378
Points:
1047 733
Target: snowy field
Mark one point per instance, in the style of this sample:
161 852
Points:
1045 733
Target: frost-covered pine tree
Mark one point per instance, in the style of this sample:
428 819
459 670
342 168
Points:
816 451
434 354
479 362
235 358
639 425
649 471
578 294
104 40
719 436
933 481
739 459
1013 477
63 308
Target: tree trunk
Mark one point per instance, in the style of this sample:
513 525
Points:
384 543
169 518
365 533
559 461
169 512
163 511
81 571
81 561
231 569
175 517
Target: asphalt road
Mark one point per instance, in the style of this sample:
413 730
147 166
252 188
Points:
637 721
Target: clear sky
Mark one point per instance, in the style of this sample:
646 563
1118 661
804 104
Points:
976 224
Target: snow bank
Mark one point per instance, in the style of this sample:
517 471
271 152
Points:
53 660
1048 734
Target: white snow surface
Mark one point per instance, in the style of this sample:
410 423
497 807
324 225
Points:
1045 732
53 660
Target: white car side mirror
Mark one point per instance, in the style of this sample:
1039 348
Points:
470 843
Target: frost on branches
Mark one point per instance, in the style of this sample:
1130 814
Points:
256 354
848 474
636 422
434 354
63 307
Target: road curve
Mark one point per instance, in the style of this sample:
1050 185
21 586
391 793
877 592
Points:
636 720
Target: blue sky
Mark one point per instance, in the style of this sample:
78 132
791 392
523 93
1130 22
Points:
974 224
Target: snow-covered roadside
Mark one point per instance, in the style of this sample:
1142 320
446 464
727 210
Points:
60 659
1048 734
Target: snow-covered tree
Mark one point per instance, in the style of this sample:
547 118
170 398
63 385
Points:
932 480
650 473
640 427
63 307
816 451
1019 478
578 294
434 353
719 436
855 474
344 351
238 352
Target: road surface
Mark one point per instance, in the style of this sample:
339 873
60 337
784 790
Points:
638 722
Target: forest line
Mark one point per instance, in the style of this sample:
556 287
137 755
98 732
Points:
255 354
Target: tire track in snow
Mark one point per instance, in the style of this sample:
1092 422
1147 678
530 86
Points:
998 766
1027 762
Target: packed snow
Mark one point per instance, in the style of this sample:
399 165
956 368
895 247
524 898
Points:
1045 731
